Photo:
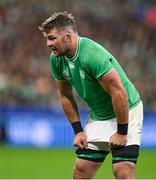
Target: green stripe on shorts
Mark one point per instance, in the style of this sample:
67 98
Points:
92 155
124 159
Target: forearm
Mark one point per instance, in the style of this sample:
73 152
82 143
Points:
120 105
70 108
69 105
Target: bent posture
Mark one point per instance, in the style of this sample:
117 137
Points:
116 113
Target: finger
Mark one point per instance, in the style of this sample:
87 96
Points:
84 142
116 145
81 145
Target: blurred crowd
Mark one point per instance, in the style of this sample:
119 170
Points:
122 27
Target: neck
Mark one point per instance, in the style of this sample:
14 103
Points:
72 50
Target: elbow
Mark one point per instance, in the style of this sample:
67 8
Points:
123 94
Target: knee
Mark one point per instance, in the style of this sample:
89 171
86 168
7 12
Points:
78 172
82 171
124 170
121 174
85 169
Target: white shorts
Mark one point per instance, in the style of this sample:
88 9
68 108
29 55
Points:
99 132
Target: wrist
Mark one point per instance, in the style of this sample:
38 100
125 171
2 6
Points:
77 127
122 128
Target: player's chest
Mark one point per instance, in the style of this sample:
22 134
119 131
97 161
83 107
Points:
74 72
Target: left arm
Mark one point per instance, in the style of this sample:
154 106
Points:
112 84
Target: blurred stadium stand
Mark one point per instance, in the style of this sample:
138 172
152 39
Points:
127 28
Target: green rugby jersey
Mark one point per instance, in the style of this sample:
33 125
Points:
90 62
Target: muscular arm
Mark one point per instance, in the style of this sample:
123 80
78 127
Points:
70 108
67 101
112 84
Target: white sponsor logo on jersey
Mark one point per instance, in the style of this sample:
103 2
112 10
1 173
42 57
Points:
82 73
71 66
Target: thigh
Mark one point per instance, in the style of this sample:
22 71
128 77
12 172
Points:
91 154
88 162
86 165
124 154
85 169
124 161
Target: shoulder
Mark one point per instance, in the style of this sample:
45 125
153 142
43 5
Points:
90 42
92 48
92 51
87 43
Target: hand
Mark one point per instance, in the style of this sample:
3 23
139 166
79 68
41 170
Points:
80 140
117 140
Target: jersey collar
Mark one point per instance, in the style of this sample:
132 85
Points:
76 53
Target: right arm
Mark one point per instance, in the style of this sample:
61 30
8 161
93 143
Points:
71 111
67 101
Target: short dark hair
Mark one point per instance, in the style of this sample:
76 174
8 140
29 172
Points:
60 21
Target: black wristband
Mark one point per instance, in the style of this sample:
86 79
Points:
122 128
77 127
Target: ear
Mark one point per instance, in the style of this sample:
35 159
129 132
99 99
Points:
68 36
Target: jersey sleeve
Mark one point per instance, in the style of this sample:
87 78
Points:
99 64
55 70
